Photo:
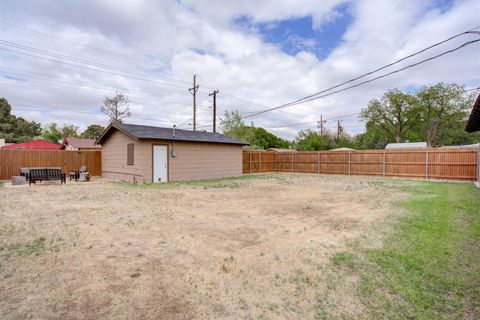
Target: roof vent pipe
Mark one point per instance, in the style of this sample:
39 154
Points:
174 130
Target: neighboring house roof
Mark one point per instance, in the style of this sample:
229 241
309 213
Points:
342 149
158 133
281 150
406 146
79 143
35 144
473 123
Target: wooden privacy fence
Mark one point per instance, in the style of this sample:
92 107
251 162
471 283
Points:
458 164
12 160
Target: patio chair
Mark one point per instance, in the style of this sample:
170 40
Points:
25 172
76 174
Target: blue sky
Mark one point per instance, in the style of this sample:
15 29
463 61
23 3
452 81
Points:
300 34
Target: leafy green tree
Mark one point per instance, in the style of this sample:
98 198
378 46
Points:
232 125
443 110
231 121
262 139
311 140
434 114
393 116
53 133
16 129
93 131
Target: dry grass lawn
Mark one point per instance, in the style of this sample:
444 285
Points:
251 248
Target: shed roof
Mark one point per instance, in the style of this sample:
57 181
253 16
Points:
342 149
473 123
406 146
136 131
281 150
35 144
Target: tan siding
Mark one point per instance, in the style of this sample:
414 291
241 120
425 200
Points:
194 161
205 161
114 153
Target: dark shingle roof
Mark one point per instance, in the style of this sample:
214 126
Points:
149 132
473 123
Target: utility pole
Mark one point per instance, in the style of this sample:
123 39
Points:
193 91
339 130
321 123
214 94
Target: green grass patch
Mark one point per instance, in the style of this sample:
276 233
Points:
36 246
344 260
429 267
234 182
2 184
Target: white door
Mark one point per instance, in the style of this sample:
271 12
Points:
160 164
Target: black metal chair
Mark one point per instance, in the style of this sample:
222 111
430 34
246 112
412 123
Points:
76 174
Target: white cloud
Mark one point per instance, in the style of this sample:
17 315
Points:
170 40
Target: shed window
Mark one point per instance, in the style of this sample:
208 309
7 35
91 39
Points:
130 153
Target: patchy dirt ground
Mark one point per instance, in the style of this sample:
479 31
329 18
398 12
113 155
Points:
242 248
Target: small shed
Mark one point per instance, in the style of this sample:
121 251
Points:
141 153
473 123
342 149
407 146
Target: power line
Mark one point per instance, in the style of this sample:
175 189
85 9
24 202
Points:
87 46
315 95
22 108
68 58
346 116
43 80
90 68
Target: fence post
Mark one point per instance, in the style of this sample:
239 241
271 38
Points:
250 163
292 161
349 161
478 165
276 161
384 163
260 161
426 164
318 162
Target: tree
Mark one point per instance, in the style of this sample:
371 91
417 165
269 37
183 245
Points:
434 114
93 131
231 121
232 125
116 107
443 110
393 115
53 133
16 129
310 140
